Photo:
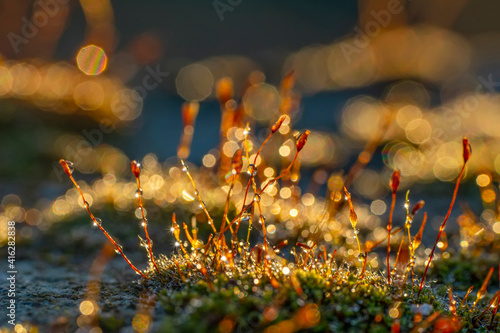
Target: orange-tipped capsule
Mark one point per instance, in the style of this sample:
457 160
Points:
353 217
467 149
417 207
304 246
67 166
280 245
189 113
136 168
278 123
302 140
224 90
417 240
395 180
288 81
237 163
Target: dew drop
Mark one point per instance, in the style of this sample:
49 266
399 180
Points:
356 231
97 221
198 244
71 166
249 170
245 217
119 247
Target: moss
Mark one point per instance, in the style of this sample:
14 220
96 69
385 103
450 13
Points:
111 323
348 305
461 271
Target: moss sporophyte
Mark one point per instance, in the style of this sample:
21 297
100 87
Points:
230 282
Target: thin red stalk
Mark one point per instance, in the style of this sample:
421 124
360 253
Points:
441 228
250 181
394 184
490 305
144 221
389 228
197 193
226 209
261 191
482 291
276 126
118 248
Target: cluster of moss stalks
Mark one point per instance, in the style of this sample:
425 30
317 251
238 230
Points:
316 299
226 285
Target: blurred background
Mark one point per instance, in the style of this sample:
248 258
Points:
387 83
103 82
98 82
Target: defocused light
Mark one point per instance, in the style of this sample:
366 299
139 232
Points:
496 227
26 79
418 131
406 114
91 60
378 207
87 308
284 151
483 180
194 82
88 95
446 168
285 193
5 80
362 117
262 102
126 104
209 160
308 199
368 183
351 70
230 147
488 195
271 229
268 172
